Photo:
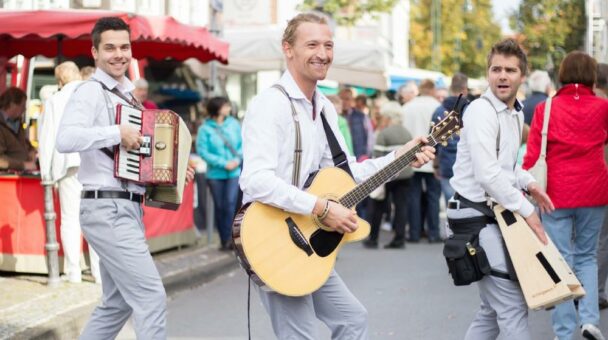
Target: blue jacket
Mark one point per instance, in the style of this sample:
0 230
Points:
211 147
358 132
530 105
447 154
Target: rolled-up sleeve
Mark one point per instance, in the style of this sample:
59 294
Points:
482 128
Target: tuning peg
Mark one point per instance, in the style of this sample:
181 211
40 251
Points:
444 138
444 143
432 124
450 132
458 132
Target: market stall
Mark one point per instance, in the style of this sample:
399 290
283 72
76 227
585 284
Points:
22 224
66 33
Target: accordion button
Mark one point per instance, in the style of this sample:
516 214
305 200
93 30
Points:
160 146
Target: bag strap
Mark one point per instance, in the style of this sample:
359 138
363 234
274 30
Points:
227 142
543 147
337 154
297 152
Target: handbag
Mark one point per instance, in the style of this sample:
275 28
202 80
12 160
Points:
539 170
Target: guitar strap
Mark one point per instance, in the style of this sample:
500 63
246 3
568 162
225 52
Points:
337 154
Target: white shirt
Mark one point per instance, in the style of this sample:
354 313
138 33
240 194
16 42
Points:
477 169
268 147
54 165
87 127
417 115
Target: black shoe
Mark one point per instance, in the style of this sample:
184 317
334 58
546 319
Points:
603 303
395 244
227 246
409 240
370 244
435 240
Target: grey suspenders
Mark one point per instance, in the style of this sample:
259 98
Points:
498 136
297 153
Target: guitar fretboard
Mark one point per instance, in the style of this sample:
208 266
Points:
353 197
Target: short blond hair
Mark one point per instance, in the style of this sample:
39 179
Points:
67 72
289 35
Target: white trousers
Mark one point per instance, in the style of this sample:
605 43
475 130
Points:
69 189
503 308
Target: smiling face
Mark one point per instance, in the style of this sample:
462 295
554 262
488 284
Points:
113 54
311 54
505 77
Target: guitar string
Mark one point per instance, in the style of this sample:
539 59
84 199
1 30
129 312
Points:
357 194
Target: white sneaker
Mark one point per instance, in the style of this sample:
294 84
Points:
591 332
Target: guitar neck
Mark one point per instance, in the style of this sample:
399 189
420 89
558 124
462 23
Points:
361 191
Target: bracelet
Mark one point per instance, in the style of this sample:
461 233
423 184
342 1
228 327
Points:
325 211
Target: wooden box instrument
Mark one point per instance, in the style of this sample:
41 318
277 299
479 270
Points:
162 160
545 277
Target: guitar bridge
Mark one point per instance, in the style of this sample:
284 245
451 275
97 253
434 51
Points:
297 237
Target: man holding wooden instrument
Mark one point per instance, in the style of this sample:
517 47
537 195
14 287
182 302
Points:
486 170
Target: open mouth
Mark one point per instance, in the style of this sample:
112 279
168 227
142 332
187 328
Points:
503 87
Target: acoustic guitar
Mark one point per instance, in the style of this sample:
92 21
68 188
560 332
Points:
294 254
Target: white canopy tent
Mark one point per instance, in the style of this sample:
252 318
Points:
355 63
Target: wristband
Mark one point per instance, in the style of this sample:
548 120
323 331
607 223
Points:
325 211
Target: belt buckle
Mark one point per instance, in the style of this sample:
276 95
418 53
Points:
96 193
130 196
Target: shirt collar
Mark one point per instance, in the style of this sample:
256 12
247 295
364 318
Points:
500 105
125 87
295 93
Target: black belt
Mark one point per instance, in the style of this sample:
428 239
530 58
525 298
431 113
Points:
462 202
95 194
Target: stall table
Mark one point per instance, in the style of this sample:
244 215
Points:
23 231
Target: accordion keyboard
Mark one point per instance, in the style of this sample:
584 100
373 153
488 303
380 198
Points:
129 161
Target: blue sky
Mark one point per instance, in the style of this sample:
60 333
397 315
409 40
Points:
502 8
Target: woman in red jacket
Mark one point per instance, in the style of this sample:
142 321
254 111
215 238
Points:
577 182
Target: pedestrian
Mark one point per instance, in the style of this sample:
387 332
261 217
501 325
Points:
390 137
342 123
269 133
110 210
446 155
218 142
141 93
577 182
16 152
425 189
541 87
485 165
61 169
407 92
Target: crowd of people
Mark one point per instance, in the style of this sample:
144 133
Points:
487 160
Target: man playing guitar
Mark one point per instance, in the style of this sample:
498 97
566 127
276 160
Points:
268 150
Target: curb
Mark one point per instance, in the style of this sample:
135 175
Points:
179 270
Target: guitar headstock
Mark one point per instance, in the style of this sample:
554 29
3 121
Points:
445 128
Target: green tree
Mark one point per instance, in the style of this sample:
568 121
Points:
549 29
464 31
348 12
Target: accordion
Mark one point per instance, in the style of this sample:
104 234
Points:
162 159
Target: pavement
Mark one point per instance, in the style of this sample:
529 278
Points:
30 309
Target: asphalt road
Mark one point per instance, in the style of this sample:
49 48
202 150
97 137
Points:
408 294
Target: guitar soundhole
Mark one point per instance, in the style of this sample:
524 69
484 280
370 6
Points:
324 242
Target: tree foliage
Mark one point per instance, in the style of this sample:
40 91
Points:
549 29
348 12
466 31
